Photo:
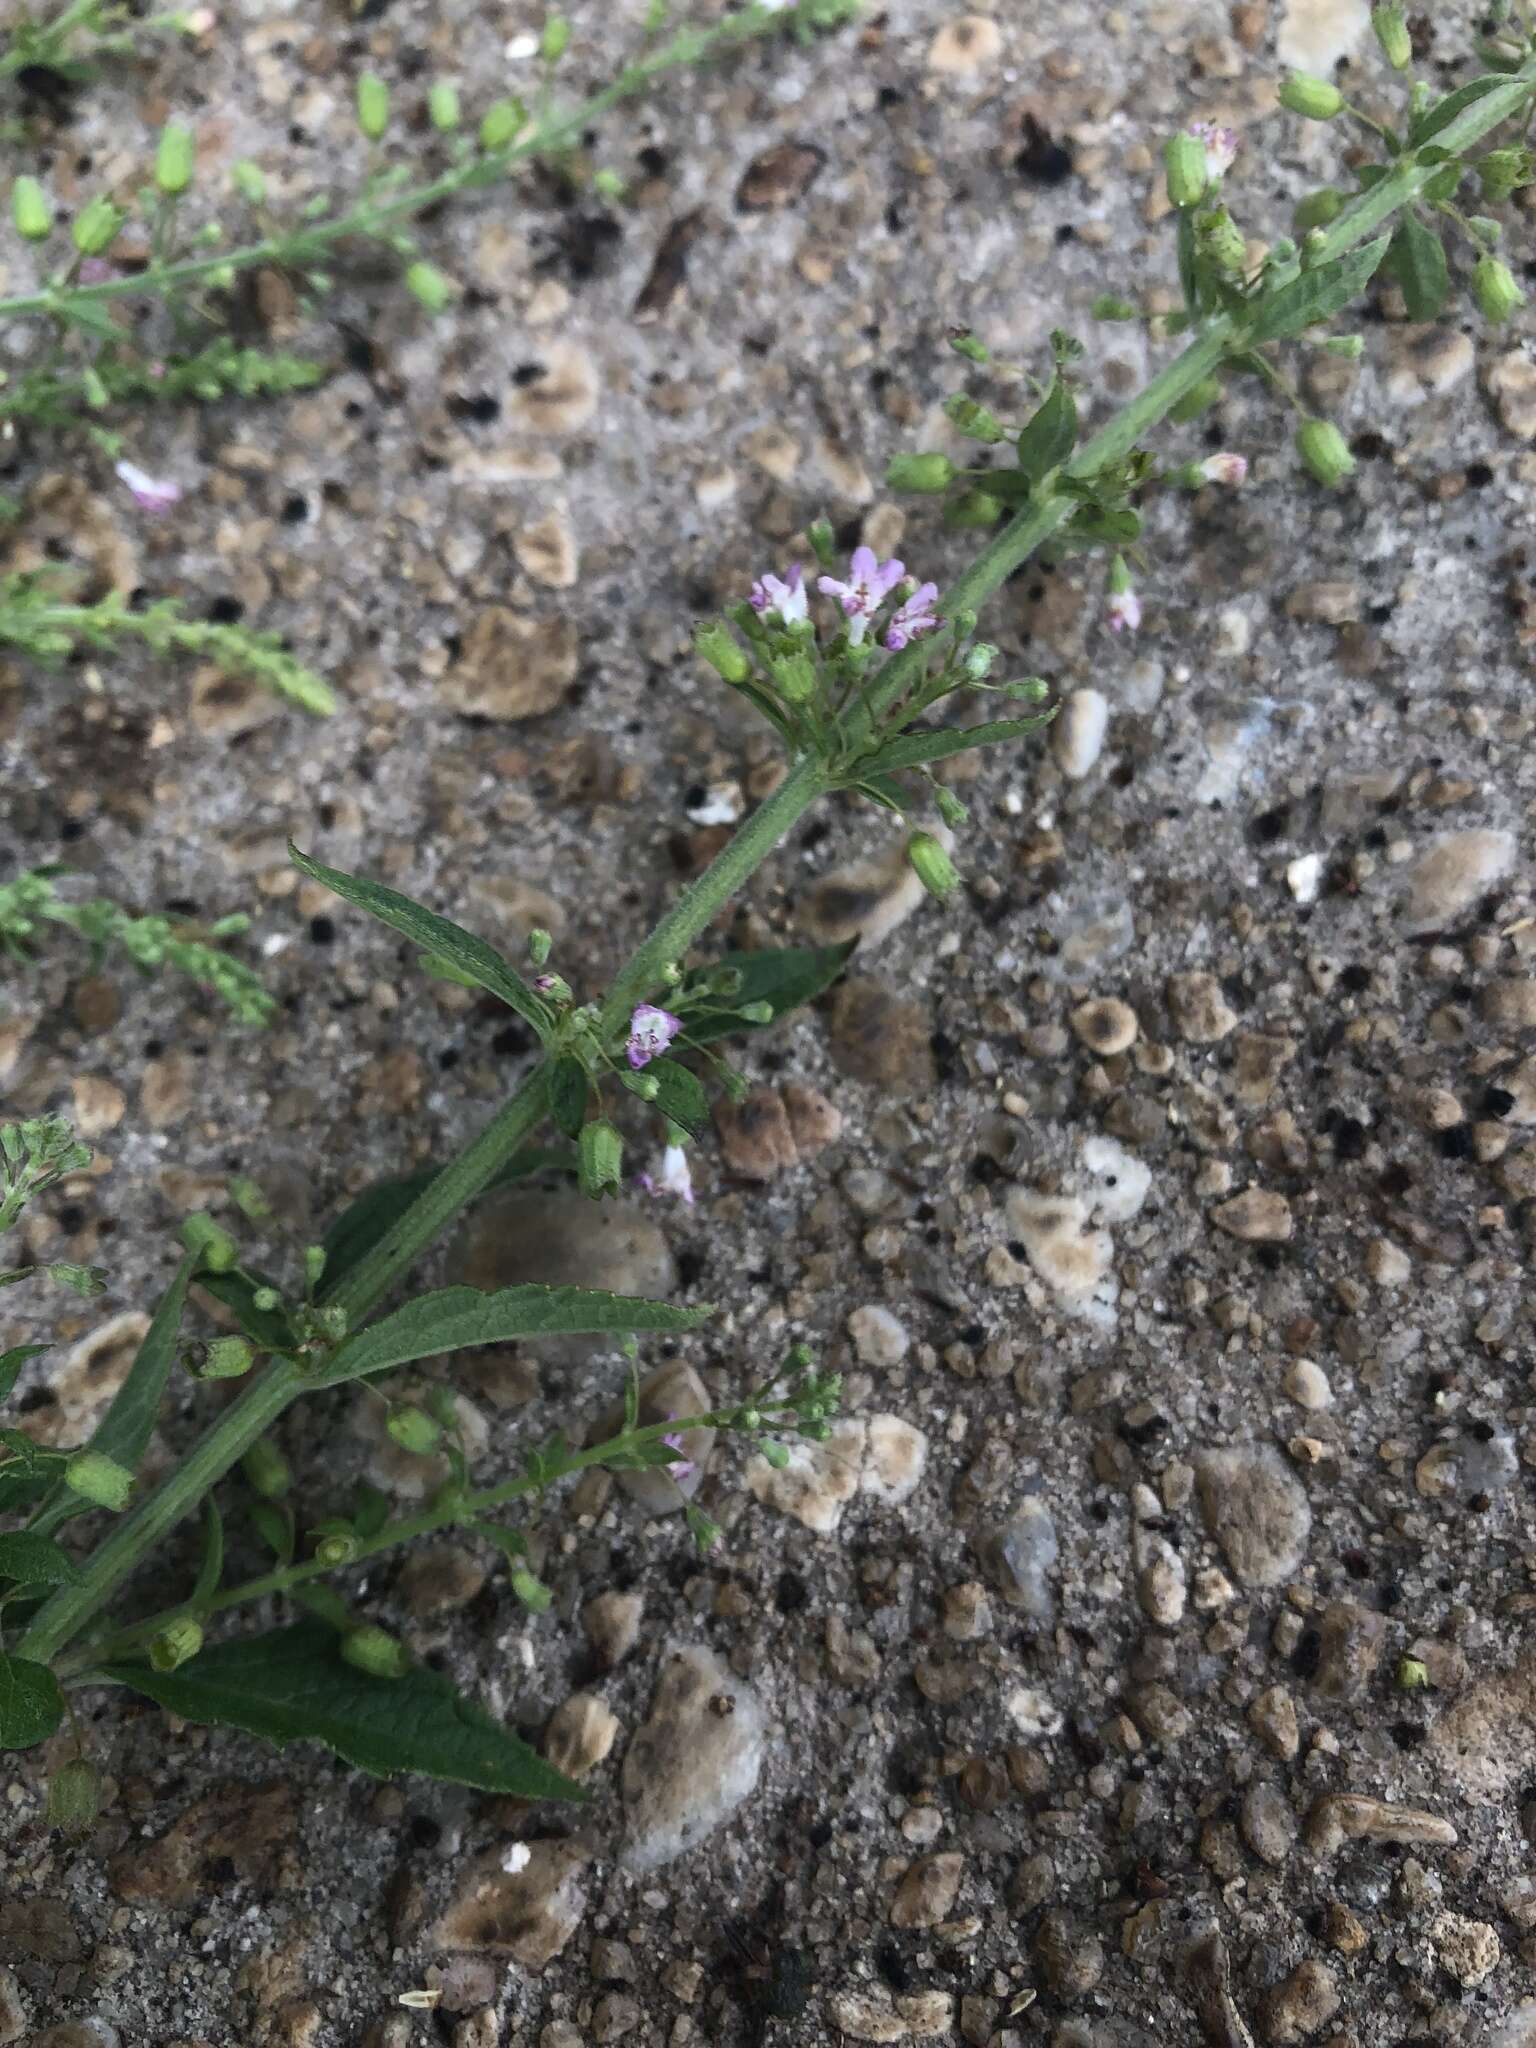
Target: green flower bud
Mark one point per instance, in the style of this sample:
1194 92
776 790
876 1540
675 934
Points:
215 1248
175 159
427 284
331 1321
443 105
1108 306
540 944
99 1479
975 508
74 1796
927 473
1184 164
413 1429
1324 451
795 675
646 1086
335 1544
1223 241
500 124
776 1454
531 1589
372 105
1319 209
975 421
177 1643
250 181
1500 172
314 1265
1495 290
266 1469
1315 99
96 226
1350 346
266 1299
556 38
1392 34
757 1013
226 1358
949 807
374 1650
964 343
727 981
932 865
823 541
717 644
978 662
555 988
31 210
599 1159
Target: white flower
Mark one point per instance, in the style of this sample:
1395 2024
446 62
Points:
152 493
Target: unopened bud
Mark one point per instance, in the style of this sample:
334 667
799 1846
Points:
214 1248
1391 28
776 1454
978 662
932 864
949 807
1315 99
266 1470
1349 346
976 422
757 1013
374 1650
175 159
372 105
177 1644
74 1796
1223 241
335 1546
429 286
1495 290
599 1159
99 1479
96 226
717 644
975 508
540 944
556 39
1500 172
443 105
31 210
646 1086
823 541
964 343
530 1589
226 1358
413 1429
266 1299
314 1264
250 181
927 473
795 675
1319 209
500 124
1324 451
1185 167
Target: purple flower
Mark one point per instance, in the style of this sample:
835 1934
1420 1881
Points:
1221 145
681 1466
152 493
915 615
1225 469
651 1031
1123 611
674 1177
787 598
869 584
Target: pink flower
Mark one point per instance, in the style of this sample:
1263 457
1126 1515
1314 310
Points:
1123 611
787 598
681 1467
674 1177
1226 469
651 1031
1221 145
152 493
915 616
869 584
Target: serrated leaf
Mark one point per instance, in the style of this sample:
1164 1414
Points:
456 1317
679 1097
378 1209
783 977
12 1361
1318 294
1434 120
1048 438
1417 260
293 1685
467 955
568 1090
33 1560
31 1705
914 748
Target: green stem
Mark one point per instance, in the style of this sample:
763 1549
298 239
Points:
373 217
452 1513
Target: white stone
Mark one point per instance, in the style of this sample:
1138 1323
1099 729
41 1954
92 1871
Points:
896 1461
1315 34
693 1762
1077 735
1304 876
878 1337
1121 1181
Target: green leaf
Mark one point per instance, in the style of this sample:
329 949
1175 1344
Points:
1439 117
568 1090
293 1686
33 1560
124 1431
31 1705
371 1512
1046 440
378 1209
885 791
455 1317
478 963
11 1363
1317 294
512 1543
267 1328
210 1568
1417 261
1115 525
783 977
679 1096
914 748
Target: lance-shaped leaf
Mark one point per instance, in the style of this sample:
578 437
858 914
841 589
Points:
915 748
782 977
1417 261
1047 439
470 958
293 1685
455 1317
31 1705
12 1361
679 1097
1434 120
378 1209
1317 294
568 1092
